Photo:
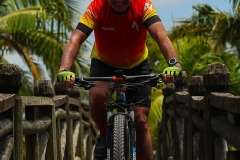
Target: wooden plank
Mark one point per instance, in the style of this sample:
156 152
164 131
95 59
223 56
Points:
7 101
226 129
7 145
60 100
225 101
182 96
198 121
182 111
18 129
217 99
232 104
36 101
37 126
6 126
74 102
197 102
169 99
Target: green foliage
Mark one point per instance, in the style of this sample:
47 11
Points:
155 57
216 28
196 56
39 30
208 37
155 114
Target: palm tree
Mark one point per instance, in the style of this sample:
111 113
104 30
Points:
217 34
39 28
218 28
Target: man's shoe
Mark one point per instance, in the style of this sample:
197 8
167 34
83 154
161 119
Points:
100 150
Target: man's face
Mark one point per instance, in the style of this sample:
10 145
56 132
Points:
119 5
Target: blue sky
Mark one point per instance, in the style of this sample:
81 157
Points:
179 9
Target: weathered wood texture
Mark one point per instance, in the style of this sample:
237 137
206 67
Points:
204 119
11 130
10 78
55 121
198 122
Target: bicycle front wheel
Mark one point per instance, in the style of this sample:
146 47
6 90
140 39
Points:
119 139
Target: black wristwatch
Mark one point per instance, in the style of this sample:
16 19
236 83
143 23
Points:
172 61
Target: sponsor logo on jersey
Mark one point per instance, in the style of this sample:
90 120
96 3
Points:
108 28
135 25
90 12
147 6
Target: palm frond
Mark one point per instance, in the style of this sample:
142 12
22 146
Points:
21 20
199 25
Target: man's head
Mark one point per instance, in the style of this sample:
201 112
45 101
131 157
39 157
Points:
119 5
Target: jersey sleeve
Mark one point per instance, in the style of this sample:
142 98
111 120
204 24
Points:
89 17
150 15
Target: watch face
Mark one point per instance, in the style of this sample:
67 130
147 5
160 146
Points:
173 61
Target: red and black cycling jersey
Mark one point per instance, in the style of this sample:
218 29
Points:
120 38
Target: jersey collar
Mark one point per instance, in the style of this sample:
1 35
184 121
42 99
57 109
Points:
121 13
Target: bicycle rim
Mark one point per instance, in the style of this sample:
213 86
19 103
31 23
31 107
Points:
119 139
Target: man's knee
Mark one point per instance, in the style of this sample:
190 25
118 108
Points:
141 119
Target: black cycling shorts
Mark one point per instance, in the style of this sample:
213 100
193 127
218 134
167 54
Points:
139 95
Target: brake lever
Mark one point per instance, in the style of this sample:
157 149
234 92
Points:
85 84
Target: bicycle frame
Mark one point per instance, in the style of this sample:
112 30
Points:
125 112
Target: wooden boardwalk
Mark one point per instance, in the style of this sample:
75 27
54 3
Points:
200 120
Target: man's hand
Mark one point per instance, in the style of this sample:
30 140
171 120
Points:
66 77
170 73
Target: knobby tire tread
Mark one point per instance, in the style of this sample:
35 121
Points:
119 137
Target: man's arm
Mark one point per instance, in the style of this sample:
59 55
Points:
159 34
71 49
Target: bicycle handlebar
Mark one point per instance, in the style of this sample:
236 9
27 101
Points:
87 82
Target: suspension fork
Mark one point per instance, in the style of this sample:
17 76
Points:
132 133
109 108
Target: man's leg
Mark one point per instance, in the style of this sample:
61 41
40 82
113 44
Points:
97 100
143 140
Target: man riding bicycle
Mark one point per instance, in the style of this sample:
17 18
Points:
120 28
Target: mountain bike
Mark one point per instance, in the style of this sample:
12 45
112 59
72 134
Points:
121 128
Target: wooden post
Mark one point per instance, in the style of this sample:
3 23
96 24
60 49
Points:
44 88
61 124
181 122
216 78
195 88
30 140
167 149
10 82
75 94
61 89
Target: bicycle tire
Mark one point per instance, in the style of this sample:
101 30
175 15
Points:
119 139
